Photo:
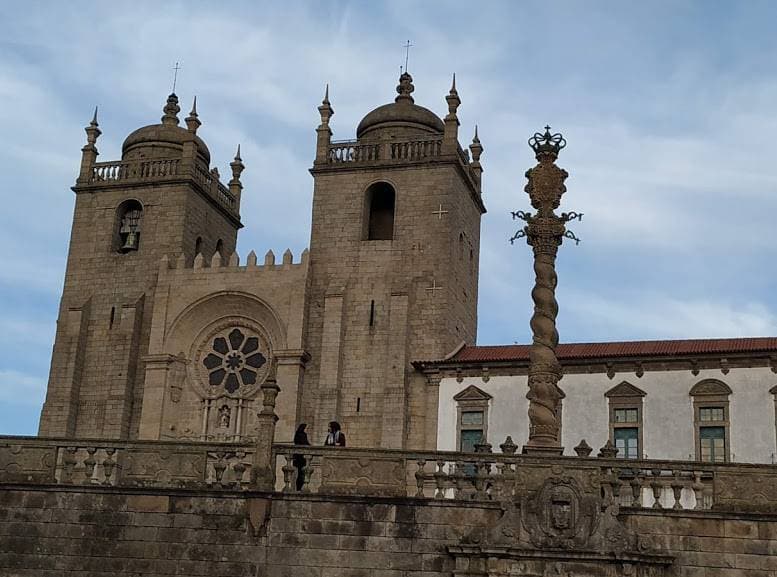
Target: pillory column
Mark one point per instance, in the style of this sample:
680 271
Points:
544 232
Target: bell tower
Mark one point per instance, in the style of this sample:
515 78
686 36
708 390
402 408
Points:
394 253
161 199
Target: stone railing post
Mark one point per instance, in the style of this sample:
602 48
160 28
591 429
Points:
263 468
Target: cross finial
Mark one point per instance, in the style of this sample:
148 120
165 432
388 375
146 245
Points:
407 46
176 68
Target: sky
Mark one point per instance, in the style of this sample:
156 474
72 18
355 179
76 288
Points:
668 109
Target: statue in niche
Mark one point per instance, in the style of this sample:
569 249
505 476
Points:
224 415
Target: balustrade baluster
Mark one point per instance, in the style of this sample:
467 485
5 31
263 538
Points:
289 477
657 487
89 465
219 466
458 479
677 489
108 465
68 464
439 480
698 491
239 468
307 473
636 490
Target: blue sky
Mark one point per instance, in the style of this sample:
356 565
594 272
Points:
668 108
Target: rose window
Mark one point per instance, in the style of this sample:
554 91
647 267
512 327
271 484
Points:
234 361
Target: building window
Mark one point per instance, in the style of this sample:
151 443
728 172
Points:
130 217
712 444
472 418
627 442
711 420
220 247
380 211
198 246
626 419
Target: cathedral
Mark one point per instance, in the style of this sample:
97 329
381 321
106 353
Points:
181 371
165 333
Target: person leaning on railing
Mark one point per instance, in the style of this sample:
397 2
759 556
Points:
300 438
335 437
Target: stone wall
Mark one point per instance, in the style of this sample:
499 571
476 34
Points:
48 531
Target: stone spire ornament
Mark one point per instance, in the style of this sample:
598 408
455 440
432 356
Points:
476 150
323 132
89 152
405 88
171 110
453 99
193 121
544 232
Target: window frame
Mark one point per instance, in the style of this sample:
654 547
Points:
472 399
711 394
626 396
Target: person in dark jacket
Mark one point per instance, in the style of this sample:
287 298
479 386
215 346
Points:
299 462
335 437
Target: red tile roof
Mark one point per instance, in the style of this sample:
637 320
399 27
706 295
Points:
581 351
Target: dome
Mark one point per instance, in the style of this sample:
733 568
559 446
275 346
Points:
163 136
167 138
403 112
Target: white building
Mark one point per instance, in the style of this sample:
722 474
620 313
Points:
711 400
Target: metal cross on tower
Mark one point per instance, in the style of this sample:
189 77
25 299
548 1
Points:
407 46
176 68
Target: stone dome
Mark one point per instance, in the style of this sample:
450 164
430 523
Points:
166 139
403 113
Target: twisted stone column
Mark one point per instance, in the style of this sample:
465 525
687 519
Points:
544 232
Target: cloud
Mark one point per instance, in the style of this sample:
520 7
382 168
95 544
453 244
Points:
23 389
669 124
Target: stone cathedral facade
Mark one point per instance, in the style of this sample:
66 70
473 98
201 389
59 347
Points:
180 371
164 333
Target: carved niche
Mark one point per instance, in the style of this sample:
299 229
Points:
563 527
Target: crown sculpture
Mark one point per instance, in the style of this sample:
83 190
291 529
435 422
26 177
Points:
544 232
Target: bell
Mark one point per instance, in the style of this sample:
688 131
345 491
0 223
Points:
130 242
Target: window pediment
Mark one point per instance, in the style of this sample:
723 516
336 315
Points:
625 389
472 393
710 387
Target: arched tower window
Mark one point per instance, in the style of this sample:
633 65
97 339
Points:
198 246
380 211
130 220
220 247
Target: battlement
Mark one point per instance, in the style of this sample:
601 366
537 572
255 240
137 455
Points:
218 264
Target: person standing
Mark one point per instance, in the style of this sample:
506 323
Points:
335 437
299 461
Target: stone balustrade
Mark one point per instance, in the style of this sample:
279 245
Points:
125 464
161 170
674 485
355 152
436 475
121 170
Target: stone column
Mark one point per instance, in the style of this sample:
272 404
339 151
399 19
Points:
263 468
544 232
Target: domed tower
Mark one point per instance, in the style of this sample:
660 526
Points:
394 266
160 199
